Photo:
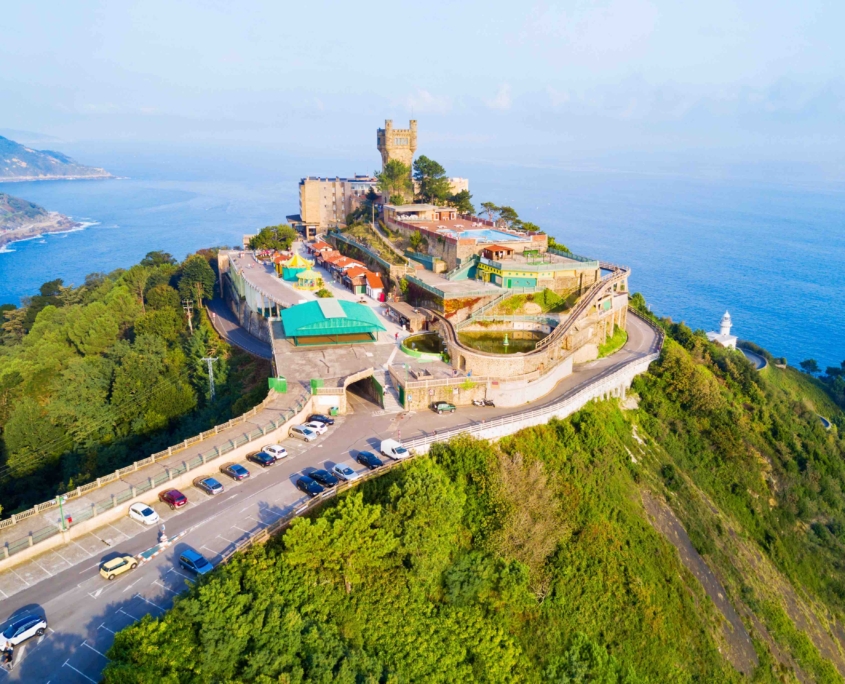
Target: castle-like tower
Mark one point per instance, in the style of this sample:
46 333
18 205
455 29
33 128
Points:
397 143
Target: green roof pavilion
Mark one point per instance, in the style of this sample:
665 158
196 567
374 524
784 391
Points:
330 321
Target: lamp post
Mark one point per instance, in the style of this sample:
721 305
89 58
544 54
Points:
61 500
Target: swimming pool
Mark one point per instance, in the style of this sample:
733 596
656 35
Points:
486 235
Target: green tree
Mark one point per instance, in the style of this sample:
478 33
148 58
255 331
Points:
279 237
201 345
490 209
432 184
166 323
93 328
425 514
197 280
462 202
164 297
510 217
810 366
415 240
395 181
31 440
136 280
344 545
158 258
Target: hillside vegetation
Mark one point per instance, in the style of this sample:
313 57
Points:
95 377
18 162
696 538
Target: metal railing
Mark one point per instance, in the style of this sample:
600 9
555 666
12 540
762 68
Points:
468 263
96 508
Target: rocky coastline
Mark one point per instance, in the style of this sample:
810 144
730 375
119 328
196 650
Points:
53 222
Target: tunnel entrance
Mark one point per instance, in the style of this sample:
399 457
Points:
368 389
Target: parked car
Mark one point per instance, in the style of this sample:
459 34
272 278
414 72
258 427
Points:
277 451
173 498
143 514
393 449
324 477
117 566
310 487
235 470
22 628
317 427
320 418
443 407
344 472
302 432
195 562
209 485
262 459
369 459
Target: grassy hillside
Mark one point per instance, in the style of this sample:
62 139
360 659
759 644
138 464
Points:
95 377
18 162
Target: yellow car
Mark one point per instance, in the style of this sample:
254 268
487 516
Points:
117 566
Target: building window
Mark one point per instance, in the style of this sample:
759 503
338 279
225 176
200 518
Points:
400 141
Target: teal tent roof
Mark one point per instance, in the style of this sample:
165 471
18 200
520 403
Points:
329 317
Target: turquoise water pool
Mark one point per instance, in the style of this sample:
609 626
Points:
488 235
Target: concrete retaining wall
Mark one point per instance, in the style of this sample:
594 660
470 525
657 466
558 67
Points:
179 482
614 384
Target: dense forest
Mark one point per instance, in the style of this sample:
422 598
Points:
97 376
693 533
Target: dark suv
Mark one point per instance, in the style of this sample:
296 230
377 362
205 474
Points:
443 407
320 418
309 486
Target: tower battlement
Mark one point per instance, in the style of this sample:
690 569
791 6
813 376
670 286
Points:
397 143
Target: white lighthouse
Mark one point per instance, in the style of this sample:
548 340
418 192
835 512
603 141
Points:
724 336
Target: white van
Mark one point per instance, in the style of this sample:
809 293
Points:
393 449
302 432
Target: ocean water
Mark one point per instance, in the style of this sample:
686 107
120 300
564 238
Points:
770 253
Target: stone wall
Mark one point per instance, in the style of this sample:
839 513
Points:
614 384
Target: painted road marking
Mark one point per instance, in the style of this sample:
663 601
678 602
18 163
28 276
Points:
97 593
120 610
85 643
224 539
103 626
179 573
67 664
130 586
166 588
43 568
21 578
241 529
62 557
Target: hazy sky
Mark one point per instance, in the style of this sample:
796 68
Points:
760 79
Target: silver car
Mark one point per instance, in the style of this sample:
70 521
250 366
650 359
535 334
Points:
23 628
303 432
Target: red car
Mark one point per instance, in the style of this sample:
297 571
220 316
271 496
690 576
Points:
173 498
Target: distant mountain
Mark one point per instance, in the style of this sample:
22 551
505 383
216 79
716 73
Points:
20 219
21 163
28 136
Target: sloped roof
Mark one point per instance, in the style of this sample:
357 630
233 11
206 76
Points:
323 317
374 281
319 246
355 271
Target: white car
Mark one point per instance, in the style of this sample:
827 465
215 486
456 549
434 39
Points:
23 628
143 514
344 472
317 426
276 451
394 450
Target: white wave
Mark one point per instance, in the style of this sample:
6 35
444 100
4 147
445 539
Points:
82 226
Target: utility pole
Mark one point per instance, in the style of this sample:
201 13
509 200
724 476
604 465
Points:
210 360
188 305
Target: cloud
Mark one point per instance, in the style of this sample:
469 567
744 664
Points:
502 100
424 102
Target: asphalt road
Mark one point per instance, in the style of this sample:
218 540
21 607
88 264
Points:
85 611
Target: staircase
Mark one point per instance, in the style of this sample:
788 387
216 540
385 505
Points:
484 309
391 396
464 268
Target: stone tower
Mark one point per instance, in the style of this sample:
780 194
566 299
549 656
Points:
397 143
725 327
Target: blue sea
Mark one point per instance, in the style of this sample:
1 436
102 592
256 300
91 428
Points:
770 253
